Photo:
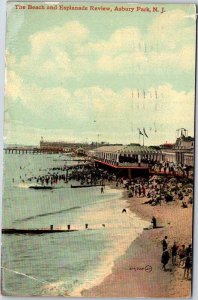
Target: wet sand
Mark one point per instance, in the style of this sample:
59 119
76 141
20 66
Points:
138 273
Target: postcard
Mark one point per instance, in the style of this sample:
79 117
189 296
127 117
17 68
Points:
98 183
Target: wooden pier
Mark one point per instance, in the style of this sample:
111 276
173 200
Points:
32 150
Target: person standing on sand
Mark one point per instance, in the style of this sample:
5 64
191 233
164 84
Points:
143 191
189 250
154 222
165 258
188 266
139 190
182 254
174 253
164 243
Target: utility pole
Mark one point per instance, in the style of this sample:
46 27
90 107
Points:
98 139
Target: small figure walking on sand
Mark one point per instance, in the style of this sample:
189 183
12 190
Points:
188 266
165 258
189 249
184 204
182 254
164 243
102 190
174 253
154 222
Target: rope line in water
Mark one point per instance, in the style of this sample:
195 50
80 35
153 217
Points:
25 275
31 277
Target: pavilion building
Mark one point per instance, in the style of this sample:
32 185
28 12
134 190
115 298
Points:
127 160
133 154
135 159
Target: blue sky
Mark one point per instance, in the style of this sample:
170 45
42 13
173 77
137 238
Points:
72 75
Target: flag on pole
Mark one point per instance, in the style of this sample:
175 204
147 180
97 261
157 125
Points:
145 132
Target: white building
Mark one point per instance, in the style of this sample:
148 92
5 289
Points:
129 154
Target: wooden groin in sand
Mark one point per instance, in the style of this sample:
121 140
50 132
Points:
33 231
42 230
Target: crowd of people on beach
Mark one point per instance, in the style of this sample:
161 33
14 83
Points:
158 189
155 188
180 255
163 189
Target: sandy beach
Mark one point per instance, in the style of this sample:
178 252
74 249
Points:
138 273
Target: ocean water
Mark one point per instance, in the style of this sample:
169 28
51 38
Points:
60 263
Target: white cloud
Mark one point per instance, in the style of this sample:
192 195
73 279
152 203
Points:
172 30
35 98
123 63
68 51
154 62
71 32
14 85
120 40
92 98
116 113
169 42
49 55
